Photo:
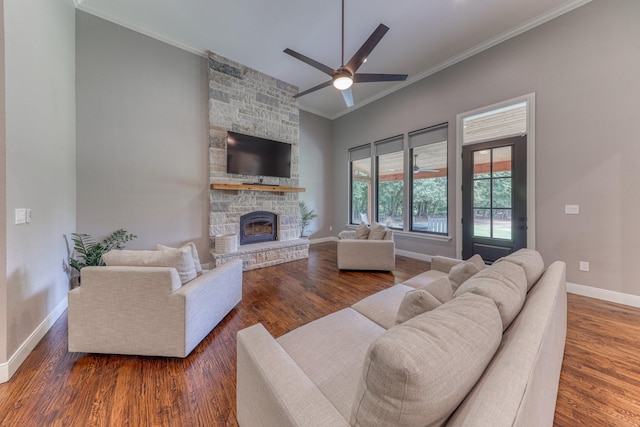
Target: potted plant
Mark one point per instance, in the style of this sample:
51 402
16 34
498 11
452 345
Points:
306 216
89 252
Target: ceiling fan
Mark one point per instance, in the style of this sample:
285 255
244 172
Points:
417 169
346 75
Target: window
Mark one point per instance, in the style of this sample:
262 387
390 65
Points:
500 122
429 181
410 191
360 170
390 180
492 193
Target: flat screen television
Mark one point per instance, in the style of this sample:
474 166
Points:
250 155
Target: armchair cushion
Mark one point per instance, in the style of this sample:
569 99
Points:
180 259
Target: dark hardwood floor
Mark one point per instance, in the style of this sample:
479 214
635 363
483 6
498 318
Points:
600 383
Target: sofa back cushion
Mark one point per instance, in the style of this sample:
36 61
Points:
505 283
423 299
180 259
417 373
531 262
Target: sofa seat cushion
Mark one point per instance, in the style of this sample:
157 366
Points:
424 278
505 283
531 262
180 259
426 298
331 351
417 373
382 307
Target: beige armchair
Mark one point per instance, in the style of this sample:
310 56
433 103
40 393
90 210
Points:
355 254
147 311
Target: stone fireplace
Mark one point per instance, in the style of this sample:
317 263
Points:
246 101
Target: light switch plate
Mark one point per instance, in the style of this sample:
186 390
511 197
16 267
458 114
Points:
21 216
28 218
572 209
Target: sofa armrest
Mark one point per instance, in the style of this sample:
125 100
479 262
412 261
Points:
272 390
444 264
366 255
208 299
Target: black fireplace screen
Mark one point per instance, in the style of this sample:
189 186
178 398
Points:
258 227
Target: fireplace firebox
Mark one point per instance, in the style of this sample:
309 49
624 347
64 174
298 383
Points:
259 226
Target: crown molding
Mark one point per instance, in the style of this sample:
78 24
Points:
140 29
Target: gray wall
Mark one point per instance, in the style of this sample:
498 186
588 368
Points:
39 54
142 154
142 151
583 68
316 166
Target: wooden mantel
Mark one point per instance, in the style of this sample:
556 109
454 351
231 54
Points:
256 187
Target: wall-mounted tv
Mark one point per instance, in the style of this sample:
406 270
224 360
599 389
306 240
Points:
250 155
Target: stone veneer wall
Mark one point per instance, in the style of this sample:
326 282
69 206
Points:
246 101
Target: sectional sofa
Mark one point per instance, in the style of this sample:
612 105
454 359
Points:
487 354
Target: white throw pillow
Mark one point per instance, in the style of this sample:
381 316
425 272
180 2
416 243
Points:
194 253
180 259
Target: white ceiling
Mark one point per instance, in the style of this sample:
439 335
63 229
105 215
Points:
425 36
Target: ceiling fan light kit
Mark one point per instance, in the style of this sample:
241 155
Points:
343 77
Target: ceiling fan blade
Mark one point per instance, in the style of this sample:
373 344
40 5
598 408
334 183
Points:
315 64
368 78
313 89
364 51
348 97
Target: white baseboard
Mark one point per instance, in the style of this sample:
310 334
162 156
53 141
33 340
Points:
603 294
10 367
323 240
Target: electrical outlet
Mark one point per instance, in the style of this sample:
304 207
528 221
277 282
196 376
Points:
331 228
584 266
28 218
